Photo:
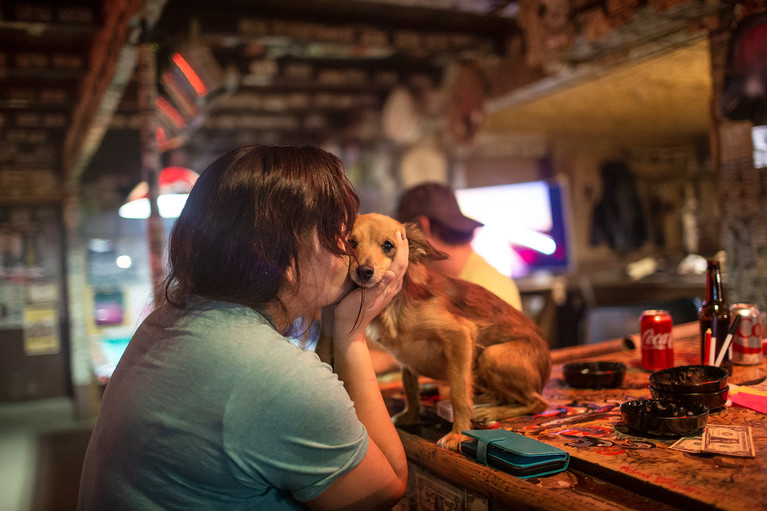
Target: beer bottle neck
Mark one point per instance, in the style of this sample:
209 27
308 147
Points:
714 285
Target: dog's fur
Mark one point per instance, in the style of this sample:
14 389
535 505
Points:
450 330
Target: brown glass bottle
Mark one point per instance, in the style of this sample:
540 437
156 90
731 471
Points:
714 313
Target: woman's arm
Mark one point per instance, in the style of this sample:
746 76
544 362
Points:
379 481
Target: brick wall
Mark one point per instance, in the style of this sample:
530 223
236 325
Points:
743 193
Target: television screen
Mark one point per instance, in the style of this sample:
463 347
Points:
526 226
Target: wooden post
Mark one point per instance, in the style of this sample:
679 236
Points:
150 162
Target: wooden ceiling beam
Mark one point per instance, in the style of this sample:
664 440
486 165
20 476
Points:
110 67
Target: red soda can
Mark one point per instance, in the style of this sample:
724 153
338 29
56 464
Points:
747 341
657 341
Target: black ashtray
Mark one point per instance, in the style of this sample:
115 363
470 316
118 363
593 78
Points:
663 418
711 400
594 375
698 378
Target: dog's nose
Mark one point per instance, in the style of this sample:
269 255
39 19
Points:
364 273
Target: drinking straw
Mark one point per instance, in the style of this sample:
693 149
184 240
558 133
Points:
728 340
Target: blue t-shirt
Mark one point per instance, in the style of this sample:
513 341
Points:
214 409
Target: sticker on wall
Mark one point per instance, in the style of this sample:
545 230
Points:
41 331
433 493
12 302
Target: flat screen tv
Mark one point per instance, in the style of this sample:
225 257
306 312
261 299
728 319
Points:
526 226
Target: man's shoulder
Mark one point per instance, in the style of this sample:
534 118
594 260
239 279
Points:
476 265
481 272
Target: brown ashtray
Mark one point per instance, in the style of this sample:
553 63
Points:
659 417
594 375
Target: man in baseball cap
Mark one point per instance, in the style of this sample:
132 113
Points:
436 202
434 208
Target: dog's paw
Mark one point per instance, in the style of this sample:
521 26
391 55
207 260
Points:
452 441
406 418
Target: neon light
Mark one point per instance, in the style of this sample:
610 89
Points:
173 114
194 78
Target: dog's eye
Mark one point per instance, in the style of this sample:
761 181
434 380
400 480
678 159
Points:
353 244
387 246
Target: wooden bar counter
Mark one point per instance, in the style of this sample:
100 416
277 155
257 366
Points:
611 467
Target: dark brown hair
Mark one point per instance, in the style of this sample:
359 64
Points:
247 218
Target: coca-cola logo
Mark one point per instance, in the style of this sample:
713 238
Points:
749 328
651 340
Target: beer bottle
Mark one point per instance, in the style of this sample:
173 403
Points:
714 314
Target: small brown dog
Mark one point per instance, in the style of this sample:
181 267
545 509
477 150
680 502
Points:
450 330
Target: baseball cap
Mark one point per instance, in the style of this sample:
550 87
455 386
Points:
437 202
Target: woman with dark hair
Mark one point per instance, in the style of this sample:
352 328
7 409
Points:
211 407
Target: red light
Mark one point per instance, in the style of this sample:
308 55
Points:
173 114
191 75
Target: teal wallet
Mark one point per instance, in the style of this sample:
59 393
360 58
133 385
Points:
514 453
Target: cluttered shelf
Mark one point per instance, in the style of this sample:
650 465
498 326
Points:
611 466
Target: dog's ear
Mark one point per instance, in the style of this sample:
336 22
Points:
421 251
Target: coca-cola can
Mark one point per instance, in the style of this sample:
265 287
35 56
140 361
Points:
657 342
747 341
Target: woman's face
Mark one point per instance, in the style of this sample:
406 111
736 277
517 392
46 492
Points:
324 276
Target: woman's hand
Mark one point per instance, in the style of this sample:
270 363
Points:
350 317
380 479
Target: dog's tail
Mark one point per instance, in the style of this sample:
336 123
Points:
489 413
541 400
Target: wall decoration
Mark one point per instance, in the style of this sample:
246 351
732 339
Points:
466 90
401 117
41 331
548 30
423 162
744 92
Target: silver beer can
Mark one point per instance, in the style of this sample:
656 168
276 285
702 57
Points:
747 341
